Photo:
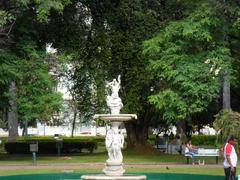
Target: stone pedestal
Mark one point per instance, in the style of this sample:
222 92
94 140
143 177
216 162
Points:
113 169
104 177
114 142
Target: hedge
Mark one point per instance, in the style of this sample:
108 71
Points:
49 146
209 140
198 140
51 138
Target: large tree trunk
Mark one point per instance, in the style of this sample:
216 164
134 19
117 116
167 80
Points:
226 91
181 128
25 129
137 133
131 134
12 114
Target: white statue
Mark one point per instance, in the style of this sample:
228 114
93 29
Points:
114 143
50 49
115 86
113 101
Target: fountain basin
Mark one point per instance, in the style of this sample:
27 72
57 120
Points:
116 117
104 177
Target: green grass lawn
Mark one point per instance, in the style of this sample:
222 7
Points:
100 156
178 170
129 157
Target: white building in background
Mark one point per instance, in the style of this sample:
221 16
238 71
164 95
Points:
206 130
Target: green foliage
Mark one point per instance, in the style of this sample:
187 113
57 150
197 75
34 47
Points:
97 139
161 101
109 46
187 59
204 140
37 99
8 72
23 61
5 18
236 24
47 144
227 122
50 147
28 67
43 8
105 38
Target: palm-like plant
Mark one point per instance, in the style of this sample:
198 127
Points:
227 122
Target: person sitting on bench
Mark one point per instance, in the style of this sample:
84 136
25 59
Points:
191 150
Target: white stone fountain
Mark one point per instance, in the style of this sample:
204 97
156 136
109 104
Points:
114 140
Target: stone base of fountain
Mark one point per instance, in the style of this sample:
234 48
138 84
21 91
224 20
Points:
104 177
113 169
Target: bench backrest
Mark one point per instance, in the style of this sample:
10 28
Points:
208 152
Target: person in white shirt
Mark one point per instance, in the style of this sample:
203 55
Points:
191 150
230 158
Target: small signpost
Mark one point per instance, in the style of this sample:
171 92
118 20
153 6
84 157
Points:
34 149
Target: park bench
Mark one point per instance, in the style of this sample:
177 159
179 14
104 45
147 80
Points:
162 147
169 148
205 153
161 144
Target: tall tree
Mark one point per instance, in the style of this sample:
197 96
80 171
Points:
187 58
227 120
13 13
108 38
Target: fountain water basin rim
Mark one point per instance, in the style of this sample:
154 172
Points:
115 117
104 177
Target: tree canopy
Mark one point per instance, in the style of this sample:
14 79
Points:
188 58
171 55
23 62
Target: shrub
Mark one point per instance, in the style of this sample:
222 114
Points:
228 122
206 140
49 146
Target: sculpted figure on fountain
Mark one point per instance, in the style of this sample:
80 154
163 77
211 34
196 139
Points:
114 143
114 102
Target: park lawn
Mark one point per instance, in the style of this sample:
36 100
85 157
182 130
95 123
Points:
130 157
160 157
99 157
204 170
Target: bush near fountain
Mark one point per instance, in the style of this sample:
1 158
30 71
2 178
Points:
47 144
49 147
